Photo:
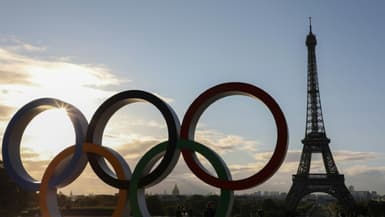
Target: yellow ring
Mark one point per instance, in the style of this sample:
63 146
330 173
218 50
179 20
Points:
48 200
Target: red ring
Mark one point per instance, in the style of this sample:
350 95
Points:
208 97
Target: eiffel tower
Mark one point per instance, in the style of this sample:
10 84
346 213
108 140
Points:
316 141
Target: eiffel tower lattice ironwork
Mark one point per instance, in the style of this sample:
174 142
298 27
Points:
316 141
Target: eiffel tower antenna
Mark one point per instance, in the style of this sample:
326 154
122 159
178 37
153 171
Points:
316 141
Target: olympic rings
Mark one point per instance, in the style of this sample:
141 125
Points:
206 99
69 164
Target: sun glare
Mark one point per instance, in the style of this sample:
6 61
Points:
48 134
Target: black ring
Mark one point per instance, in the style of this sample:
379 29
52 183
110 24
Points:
102 116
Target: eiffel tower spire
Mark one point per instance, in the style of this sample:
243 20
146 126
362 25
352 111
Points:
315 141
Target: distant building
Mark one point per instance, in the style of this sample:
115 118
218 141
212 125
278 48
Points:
351 188
361 195
283 195
258 193
271 194
375 196
175 191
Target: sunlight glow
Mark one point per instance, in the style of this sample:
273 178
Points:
62 74
48 133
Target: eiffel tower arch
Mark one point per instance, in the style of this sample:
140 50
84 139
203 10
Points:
316 141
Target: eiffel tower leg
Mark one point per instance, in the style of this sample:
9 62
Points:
346 199
304 163
296 192
329 164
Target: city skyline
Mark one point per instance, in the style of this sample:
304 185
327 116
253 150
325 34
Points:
178 51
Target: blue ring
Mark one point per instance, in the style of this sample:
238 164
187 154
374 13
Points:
14 132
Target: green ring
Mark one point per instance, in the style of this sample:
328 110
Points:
137 196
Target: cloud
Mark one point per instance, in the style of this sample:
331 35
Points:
17 45
340 155
166 99
223 142
22 69
150 123
214 139
344 155
29 154
35 168
29 47
21 46
13 77
25 77
137 147
6 112
365 177
366 170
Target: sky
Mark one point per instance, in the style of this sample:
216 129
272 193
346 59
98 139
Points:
84 52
